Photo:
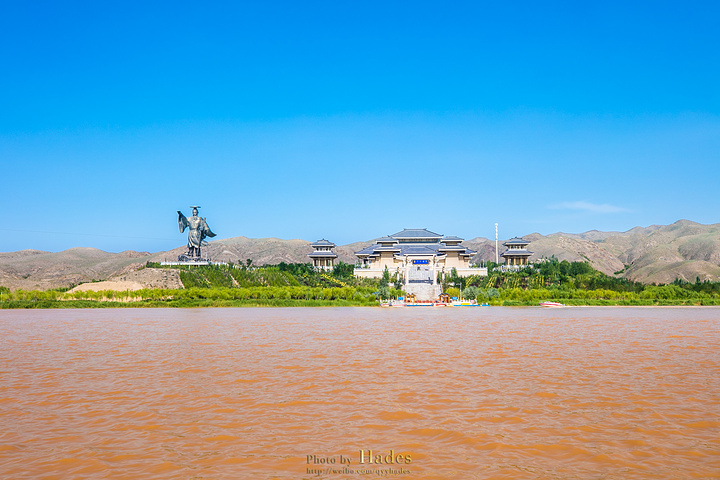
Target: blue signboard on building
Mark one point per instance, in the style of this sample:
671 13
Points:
421 262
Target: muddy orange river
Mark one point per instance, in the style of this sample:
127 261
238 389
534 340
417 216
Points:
334 393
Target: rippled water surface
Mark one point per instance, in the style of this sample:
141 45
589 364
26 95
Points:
487 393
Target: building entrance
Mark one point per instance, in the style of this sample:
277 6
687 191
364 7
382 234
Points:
420 272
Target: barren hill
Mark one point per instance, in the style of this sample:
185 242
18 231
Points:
655 254
37 270
262 251
685 250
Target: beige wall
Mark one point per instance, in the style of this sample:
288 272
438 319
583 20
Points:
466 272
453 260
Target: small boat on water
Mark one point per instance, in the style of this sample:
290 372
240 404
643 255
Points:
463 303
551 304
393 303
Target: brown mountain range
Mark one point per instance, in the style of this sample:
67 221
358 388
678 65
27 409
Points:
655 254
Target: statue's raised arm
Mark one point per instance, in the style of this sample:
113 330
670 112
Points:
182 221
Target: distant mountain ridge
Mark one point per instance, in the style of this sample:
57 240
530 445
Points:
654 254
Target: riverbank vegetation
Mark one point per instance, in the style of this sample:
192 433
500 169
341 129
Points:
571 283
222 285
577 283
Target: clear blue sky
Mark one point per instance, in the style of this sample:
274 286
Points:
353 120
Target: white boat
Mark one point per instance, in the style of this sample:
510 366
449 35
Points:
464 303
551 304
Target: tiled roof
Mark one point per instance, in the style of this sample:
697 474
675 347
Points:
322 254
447 248
387 240
517 253
366 251
322 243
416 233
387 249
516 241
418 250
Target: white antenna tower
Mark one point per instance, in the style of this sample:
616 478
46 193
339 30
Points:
497 259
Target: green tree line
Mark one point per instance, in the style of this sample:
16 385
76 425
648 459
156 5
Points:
578 283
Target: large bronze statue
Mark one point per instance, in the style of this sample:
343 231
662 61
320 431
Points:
197 233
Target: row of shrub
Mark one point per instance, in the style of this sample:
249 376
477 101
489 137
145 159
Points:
651 294
554 274
357 295
281 275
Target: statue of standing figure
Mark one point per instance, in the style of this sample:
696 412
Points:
197 233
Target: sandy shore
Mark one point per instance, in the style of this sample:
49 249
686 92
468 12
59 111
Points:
117 286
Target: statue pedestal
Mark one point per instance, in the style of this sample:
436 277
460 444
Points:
184 259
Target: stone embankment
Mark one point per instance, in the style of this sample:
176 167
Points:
423 291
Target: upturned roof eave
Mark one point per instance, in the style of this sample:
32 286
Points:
416 233
323 243
518 253
322 254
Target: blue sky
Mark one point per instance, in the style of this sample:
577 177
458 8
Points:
353 120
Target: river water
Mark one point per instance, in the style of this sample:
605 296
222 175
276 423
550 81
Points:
290 393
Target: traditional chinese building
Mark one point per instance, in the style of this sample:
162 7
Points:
416 256
517 253
323 257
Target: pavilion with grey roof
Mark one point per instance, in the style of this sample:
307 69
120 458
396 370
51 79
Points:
323 257
517 254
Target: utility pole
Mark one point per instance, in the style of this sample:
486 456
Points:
497 258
